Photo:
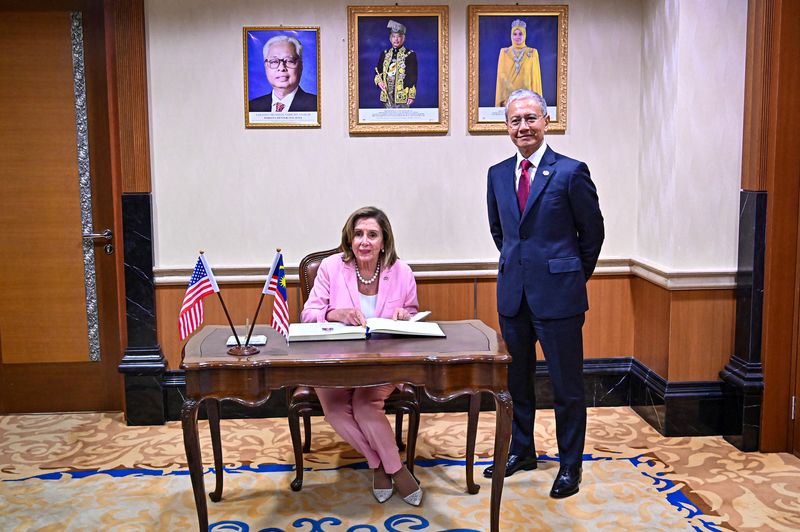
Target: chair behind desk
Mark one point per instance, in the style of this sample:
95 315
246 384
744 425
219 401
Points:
303 401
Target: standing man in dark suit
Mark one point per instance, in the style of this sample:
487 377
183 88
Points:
283 62
545 219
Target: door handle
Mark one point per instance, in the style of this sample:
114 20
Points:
105 235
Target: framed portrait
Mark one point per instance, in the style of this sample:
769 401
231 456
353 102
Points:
398 69
281 76
516 47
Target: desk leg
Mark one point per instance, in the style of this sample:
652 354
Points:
191 443
294 430
472 430
213 411
502 436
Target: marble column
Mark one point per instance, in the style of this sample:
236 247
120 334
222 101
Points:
743 375
143 363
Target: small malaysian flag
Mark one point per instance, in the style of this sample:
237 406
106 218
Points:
276 286
201 284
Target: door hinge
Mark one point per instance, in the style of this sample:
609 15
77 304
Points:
794 403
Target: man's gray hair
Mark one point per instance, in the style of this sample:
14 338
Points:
525 94
298 48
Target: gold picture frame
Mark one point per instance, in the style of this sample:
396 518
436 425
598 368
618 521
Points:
498 64
300 82
397 107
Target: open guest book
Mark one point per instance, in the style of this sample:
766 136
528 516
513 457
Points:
307 332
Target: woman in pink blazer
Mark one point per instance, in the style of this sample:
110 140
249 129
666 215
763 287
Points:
365 280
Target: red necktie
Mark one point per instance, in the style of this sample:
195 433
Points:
524 188
279 107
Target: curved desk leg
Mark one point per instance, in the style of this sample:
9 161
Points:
411 446
191 443
502 436
213 411
472 430
294 430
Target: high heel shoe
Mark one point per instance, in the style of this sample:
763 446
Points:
381 494
415 497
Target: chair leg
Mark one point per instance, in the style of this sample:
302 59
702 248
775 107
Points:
307 431
294 430
398 430
413 430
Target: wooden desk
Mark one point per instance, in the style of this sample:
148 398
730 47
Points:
471 359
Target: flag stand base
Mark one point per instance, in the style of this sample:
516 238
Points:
243 350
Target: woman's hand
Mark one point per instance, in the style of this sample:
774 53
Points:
348 316
401 314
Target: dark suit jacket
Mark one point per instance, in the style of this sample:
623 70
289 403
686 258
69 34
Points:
303 101
551 249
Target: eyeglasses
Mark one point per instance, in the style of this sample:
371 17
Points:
516 121
289 62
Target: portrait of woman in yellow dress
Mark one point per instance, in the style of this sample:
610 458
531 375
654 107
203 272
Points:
518 66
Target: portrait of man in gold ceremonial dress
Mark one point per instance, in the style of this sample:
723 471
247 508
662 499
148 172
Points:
396 71
399 86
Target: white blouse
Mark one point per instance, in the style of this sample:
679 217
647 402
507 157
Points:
368 305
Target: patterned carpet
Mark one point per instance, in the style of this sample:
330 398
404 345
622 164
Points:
91 472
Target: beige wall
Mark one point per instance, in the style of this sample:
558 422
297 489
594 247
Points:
691 133
655 101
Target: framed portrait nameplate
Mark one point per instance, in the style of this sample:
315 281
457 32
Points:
516 47
398 69
281 76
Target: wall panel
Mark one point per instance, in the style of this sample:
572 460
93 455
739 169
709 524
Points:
486 302
701 334
447 299
609 329
651 308
682 335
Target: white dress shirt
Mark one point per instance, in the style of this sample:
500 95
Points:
286 101
535 159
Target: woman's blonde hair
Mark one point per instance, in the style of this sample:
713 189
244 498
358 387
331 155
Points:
388 253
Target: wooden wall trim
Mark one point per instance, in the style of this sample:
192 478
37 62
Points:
782 152
668 279
114 157
131 77
757 94
628 317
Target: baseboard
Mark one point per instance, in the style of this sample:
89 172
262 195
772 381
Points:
680 408
673 409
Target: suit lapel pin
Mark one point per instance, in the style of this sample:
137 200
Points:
546 172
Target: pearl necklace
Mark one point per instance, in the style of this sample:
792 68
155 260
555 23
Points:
374 277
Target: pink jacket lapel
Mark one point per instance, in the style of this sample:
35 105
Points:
383 289
349 280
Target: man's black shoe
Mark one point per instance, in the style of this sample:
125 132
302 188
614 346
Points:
567 481
514 464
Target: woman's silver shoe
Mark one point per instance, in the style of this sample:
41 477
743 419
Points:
382 495
415 499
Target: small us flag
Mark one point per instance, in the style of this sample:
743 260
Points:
201 284
276 286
